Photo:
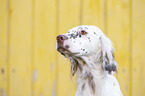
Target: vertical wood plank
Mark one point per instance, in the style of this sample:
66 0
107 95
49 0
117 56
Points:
44 48
118 30
138 47
68 17
93 13
20 48
4 9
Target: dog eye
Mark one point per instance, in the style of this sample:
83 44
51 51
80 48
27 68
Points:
83 32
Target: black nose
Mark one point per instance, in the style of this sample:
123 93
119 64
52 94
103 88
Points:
61 38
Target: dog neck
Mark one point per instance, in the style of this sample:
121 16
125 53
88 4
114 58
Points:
91 72
94 66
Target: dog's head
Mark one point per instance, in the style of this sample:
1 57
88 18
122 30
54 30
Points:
86 40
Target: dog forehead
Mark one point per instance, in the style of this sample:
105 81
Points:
73 30
88 28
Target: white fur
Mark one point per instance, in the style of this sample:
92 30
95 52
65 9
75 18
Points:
106 84
97 52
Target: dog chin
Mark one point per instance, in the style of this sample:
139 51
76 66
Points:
67 53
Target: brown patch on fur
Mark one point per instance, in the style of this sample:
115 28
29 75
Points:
75 66
81 61
92 85
91 82
106 59
112 54
78 62
88 76
83 87
107 66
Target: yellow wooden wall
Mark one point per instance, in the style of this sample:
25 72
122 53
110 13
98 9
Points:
29 62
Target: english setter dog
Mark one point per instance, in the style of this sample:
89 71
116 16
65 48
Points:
91 55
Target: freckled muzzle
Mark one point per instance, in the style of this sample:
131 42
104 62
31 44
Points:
60 44
63 48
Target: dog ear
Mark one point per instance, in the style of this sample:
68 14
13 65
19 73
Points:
109 62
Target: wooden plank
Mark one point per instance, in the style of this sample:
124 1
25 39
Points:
93 13
44 48
4 9
20 48
68 17
138 47
118 30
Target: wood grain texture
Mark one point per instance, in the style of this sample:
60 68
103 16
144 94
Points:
118 30
68 17
19 60
4 16
44 48
138 48
93 13
29 62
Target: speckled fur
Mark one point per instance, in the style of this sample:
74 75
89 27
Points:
93 58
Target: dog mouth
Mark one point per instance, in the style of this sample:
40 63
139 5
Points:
65 52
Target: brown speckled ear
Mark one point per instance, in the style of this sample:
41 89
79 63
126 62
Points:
109 62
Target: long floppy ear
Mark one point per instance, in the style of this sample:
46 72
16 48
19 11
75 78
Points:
109 62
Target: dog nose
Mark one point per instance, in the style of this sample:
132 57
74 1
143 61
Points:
61 38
